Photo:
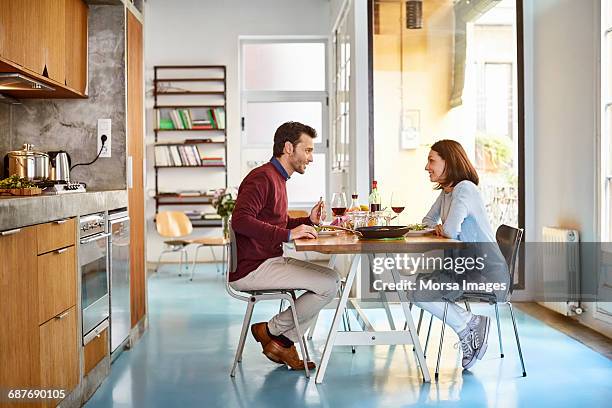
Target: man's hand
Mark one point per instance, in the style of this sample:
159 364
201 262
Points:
317 214
303 231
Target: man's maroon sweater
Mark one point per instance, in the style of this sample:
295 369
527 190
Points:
260 219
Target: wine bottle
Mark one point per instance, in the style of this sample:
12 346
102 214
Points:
354 203
374 199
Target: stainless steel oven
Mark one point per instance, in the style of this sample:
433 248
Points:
93 262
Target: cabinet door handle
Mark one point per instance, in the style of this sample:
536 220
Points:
60 317
61 251
60 221
10 232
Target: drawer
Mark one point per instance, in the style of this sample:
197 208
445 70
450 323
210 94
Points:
59 359
97 348
55 235
57 282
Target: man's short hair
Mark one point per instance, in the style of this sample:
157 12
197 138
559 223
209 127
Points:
290 132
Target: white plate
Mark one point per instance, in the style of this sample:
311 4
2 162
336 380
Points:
419 233
328 233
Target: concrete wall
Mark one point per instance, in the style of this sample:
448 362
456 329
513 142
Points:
207 32
71 124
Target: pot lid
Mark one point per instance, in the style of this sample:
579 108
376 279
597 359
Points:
27 151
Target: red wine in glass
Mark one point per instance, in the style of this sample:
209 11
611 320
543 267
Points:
397 210
338 211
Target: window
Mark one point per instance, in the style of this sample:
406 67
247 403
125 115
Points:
341 87
285 80
606 119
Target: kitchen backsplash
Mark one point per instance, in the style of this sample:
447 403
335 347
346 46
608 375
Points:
71 124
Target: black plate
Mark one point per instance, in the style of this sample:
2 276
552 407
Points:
392 231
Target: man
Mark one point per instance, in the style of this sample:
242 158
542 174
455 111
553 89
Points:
261 224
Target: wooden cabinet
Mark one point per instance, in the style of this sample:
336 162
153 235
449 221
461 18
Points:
59 362
19 340
38 299
57 282
55 235
96 349
76 45
46 40
135 148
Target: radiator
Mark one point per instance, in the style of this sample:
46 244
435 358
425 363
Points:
561 269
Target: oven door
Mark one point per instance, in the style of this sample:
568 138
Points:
93 259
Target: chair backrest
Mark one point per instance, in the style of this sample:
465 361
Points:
232 263
173 224
509 240
297 213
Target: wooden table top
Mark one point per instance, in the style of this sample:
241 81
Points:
346 243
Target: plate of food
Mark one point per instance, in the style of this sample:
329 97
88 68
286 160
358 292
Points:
324 230
415 230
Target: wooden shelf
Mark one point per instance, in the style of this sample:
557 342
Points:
181 167
189 130
186 106
209 82
189 80
191 93
186 143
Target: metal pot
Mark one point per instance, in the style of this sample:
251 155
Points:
59 166
27 163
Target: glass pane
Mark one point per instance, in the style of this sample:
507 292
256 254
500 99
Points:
606 72
458 76
284 67
263 118
308 187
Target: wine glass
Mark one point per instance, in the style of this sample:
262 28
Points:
338 205
397 205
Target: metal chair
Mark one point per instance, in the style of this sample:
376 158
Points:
252 297
208 242
509 240
173 224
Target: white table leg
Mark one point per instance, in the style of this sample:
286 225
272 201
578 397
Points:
412 330
333 331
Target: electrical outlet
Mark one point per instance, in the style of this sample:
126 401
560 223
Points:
104 128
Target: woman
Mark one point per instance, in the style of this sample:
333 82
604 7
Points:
459 213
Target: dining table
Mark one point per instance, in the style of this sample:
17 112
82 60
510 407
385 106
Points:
367 250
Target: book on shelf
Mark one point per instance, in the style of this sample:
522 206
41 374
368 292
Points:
211 216
193 118
213 161
177 155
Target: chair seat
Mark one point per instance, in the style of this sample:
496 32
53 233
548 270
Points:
177 242
482 296
209 241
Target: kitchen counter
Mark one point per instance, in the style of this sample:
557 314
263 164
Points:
18 212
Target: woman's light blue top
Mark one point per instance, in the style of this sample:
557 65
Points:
462 213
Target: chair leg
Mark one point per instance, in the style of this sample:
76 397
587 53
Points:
501 347
427 338
467 306
441 340
420 321
212 251
181 252
164 251
243 334
224 260
281 306
312 328
518 342
195 258
300 336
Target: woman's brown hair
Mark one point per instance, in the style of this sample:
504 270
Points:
458 167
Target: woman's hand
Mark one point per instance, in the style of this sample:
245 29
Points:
439 230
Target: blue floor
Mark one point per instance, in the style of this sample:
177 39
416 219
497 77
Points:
184 360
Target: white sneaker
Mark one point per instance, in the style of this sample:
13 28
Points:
474 344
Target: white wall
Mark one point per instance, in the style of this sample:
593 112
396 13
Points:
206 32
561 67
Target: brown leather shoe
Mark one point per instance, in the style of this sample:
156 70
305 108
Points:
287 355
260 333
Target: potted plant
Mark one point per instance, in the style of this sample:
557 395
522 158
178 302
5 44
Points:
224 200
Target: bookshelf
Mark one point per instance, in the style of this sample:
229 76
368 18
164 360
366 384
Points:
190 122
